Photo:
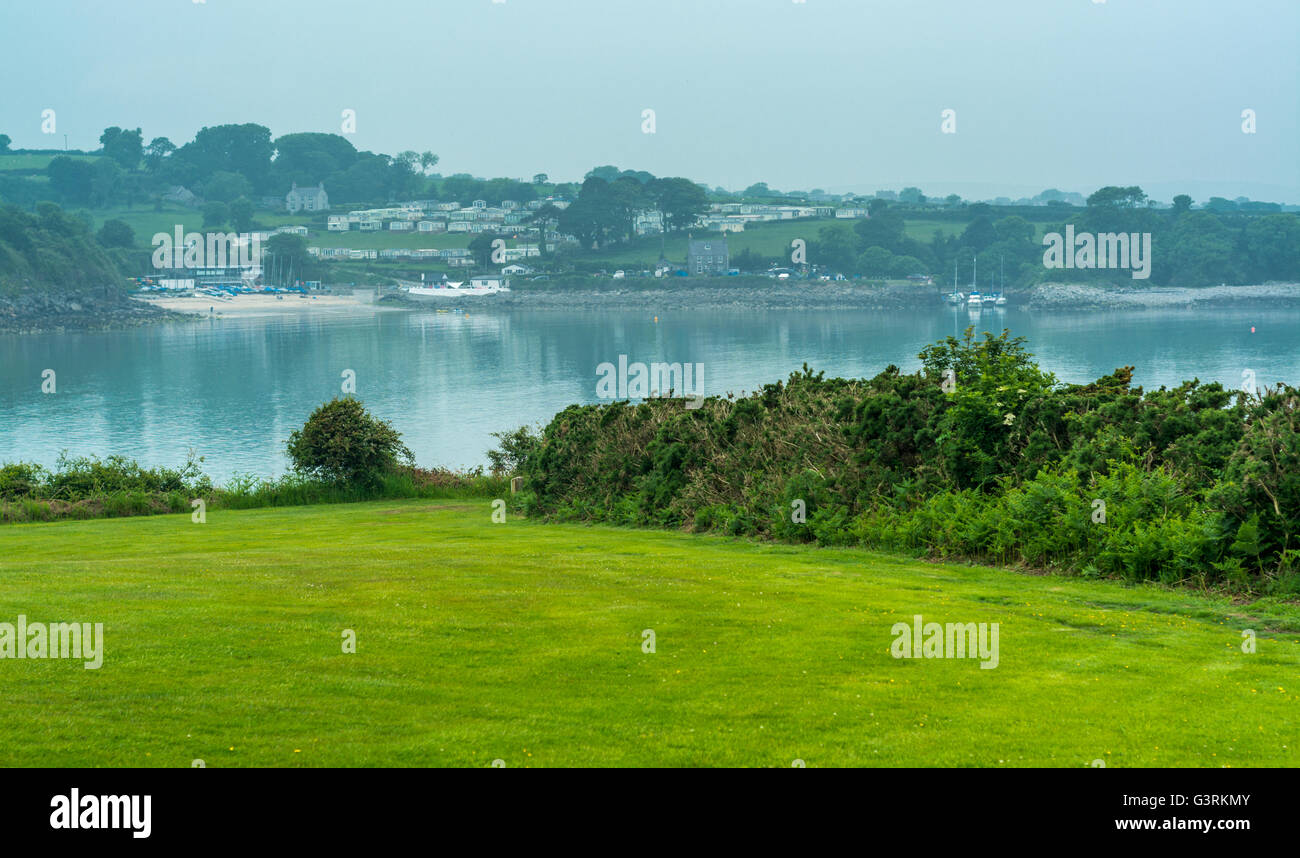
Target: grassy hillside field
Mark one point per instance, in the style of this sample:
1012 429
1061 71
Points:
26 161
767 239
522 642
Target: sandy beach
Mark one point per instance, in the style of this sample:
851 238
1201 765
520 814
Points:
247 306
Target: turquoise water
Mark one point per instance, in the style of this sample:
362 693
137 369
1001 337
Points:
233 389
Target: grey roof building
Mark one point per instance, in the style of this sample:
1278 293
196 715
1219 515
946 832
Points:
307 199
707 256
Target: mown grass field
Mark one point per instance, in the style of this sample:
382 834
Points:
522 642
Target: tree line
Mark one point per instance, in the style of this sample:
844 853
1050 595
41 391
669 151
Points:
1190 247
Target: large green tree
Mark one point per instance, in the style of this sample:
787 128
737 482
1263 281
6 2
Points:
226 187
680 200
124 147
71 179
245 149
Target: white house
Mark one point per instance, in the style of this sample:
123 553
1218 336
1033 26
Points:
522 251
516 269
647 222
338 223
400 226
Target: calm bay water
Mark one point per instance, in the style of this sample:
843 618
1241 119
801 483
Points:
232 389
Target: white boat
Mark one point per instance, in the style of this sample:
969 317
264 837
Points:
447 289
990 299
1002 300
974 300
956 298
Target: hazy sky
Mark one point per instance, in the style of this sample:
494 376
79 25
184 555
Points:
837 94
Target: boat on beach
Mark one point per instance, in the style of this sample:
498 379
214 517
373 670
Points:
448 289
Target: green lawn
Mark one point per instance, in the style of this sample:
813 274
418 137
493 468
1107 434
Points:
522 642
146 222
768 239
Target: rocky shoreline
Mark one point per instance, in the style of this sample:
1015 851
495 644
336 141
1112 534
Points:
800 296
816 296
1079 296
31 314
37 314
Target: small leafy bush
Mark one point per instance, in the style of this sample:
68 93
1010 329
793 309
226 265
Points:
342 442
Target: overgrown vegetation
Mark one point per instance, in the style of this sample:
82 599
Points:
51 252
342 455
1196 485
87 487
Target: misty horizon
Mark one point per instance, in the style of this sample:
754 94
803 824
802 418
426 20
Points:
800 96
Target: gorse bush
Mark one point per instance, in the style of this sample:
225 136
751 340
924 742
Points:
515 448
1195 484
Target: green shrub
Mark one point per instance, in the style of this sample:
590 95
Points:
342 442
